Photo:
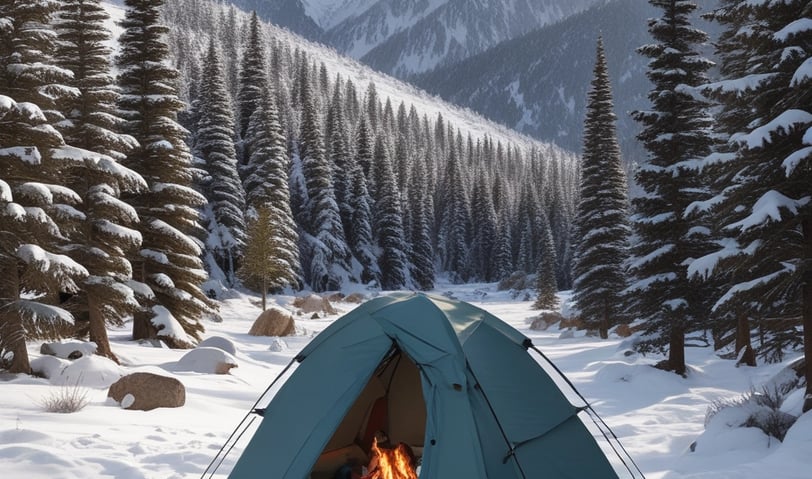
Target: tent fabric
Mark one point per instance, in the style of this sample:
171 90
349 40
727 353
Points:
491 411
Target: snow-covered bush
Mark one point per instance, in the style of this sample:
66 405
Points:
757 408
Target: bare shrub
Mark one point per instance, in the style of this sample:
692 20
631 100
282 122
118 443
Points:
66 399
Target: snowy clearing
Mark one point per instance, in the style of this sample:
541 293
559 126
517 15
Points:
657 415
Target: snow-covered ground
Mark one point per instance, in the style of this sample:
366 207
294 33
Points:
656 414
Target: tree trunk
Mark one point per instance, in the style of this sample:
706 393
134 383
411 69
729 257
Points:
98 330
603 328
264 293
12 331
806 310
676 350
142 328
743 339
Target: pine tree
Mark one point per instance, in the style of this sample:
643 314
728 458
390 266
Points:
91 122
421 254
546 288
36 213
453 231
359 206
328 252
601 228
269 202
485 234
675 132
224 191
169 260
388 228
765 212
252 76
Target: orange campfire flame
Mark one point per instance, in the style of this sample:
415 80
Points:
394 463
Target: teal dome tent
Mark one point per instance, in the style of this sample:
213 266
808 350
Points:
452 381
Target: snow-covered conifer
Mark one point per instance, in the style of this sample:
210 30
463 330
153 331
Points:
224 190
169 260
388 226
106 235
601 224
546 288
269 201
675 133
328 253
252 76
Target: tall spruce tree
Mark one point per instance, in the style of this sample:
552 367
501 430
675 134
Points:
359 205
327 252
675 133
272 251
421 254
91 122
546 287
251 76
388 227
601 228
38 213
766 212
455 215
169 260
224 190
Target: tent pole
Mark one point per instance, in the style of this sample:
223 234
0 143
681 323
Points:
240 426
592 413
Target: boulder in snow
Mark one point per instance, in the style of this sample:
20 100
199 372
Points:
356 298
68 350
273 322
219 342
147 391
207 360
545 320
314 304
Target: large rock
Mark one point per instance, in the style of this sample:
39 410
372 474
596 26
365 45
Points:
147 391
545 320
207 360
314 304
273 322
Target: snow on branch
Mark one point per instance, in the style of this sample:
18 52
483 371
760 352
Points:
748 285
782 122
802 74
168 326
791 162
166 229
738 85
5 192
41 320
26 154
801 25
767 208
47 262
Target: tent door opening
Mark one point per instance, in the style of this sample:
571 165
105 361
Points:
391 402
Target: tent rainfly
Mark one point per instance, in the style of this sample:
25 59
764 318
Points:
451 380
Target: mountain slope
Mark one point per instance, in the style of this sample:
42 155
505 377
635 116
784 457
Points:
358 35
461 28
537 83
290 14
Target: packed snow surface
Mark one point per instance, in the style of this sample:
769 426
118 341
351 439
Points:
657 415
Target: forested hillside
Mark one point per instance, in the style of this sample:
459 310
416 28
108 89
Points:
224 152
